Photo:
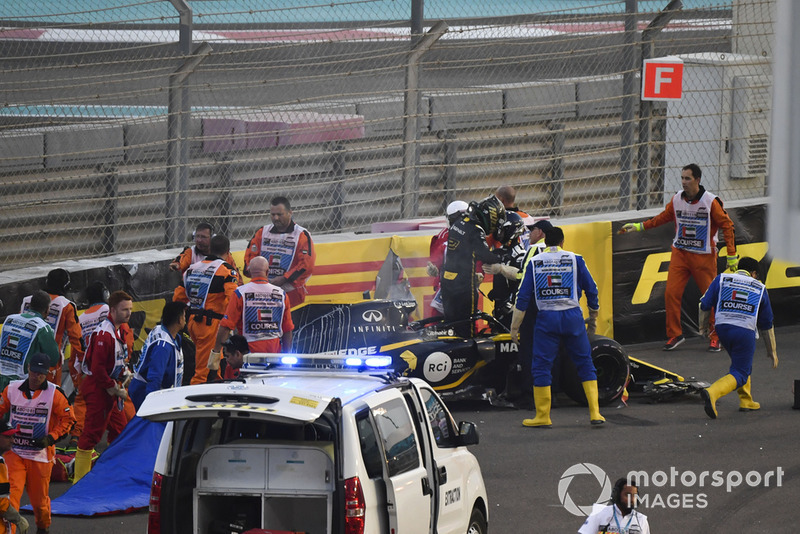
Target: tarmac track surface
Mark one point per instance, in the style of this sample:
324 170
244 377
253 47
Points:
522 467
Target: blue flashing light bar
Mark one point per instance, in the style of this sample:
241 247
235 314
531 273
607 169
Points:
378 361
259 360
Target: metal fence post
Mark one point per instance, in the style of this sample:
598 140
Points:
411 109
450 174
628 105
338 167
646 108
556 188
177 149
184 49
643 163
110 214
225 198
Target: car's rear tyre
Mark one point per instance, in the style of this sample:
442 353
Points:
477 523
613 370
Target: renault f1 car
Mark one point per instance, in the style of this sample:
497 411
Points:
482 367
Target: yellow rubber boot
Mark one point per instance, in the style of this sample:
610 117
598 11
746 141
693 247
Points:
83 464
590 388
542 398
746 402
716 391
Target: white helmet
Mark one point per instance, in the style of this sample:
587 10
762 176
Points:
457 206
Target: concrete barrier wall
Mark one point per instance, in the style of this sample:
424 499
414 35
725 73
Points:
347 266
630 272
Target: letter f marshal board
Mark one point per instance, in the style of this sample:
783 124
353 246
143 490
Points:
662 78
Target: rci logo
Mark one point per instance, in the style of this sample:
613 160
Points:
437 366
566 480
372 316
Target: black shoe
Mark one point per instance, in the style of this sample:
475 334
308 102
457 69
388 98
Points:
42 531
673 342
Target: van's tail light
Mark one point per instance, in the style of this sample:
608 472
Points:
154 517
353 506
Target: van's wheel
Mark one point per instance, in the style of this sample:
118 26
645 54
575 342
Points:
477 523
613 370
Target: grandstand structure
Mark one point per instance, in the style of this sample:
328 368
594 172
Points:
122 123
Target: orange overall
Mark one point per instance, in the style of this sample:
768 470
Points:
30 474
234 319
205 323
4 499
190 256
68 327
683 264
299 270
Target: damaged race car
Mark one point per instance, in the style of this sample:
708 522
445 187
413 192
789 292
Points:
482 367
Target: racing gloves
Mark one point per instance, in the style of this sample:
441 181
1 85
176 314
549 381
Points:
733 262
507 271
704 321
213 360
12 516
432 270
769 342
631 227
43 443
591 322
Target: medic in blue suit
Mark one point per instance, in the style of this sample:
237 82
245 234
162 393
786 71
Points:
553 283
741 306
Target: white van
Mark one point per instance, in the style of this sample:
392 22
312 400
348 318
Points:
314 451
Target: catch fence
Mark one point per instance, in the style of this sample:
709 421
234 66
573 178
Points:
123 124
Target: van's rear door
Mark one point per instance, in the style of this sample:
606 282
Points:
234 400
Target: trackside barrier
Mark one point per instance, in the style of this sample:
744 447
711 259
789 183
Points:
630 272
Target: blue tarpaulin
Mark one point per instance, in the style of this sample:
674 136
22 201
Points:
120 480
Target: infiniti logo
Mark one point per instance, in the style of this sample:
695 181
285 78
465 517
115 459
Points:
372 316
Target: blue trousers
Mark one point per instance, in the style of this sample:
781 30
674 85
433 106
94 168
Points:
741 345
552 329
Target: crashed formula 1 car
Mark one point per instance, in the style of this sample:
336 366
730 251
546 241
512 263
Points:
482 367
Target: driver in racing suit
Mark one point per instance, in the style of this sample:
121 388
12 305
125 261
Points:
506 273
466 245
